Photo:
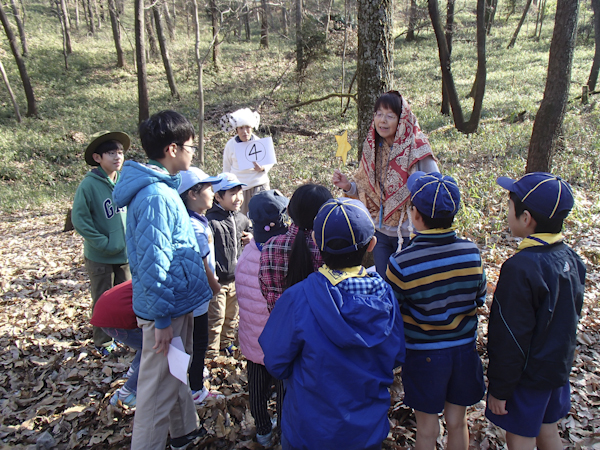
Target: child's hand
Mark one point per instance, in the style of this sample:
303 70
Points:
163 338
258 167
340 180
496 406
246 238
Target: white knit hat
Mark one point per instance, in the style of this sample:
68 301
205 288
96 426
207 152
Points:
241 117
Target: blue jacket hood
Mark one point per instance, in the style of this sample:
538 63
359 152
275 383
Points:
135 176
351 320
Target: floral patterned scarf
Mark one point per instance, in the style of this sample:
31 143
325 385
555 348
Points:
391 167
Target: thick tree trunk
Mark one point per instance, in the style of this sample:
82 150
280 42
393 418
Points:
20 27
412 21
164 51
76 14
90 14
445 110
511 44
114 22
154 52
10 92
67 26
374 62
299 49
97 13
549 118
246 19
264 24
593 79
31 105
140 52
214 15
284 20
448 80
200 87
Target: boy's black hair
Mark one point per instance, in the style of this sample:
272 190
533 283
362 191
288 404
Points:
344 260
303 207
108 146
163 129
222 192
435 222
195 188
543 224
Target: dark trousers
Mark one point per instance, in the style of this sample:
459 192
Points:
259 387
196 372
102 278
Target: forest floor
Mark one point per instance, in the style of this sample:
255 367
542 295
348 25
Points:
52 382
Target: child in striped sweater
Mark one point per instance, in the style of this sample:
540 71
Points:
439 282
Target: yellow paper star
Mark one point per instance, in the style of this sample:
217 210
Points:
343 146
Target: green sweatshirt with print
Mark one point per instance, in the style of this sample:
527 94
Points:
98 220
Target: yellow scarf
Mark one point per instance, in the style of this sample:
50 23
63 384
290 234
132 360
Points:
337 276
539 239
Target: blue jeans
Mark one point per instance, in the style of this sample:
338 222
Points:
386 246
133 339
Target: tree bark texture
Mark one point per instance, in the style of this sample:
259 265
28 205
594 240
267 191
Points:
375 61
169 20
264 24
90 15
67 26
162 41
153 45
448 80
299 50
445 110
412 21
62 21
31 105
10 92
20 27
114 22
284 20
511 44
549 118
328 20
140 53
200 87
215 19
246 19
593 79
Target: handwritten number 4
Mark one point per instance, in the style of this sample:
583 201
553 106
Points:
254 152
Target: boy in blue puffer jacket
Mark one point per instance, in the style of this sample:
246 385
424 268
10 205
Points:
336 338
169 280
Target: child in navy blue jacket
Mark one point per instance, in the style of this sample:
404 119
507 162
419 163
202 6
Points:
533 320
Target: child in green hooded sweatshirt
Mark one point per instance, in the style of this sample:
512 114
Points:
101 223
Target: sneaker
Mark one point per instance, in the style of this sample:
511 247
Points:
230 350
265 439
200 396
107 349
124 396
182 442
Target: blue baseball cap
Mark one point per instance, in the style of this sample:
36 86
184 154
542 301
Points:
228 181
193 176
346 219
542 192
434 194
267 211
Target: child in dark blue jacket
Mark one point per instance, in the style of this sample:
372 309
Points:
336 338
534 315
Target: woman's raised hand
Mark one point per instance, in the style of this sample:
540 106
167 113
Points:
340 180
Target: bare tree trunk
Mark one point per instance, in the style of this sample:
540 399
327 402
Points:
170 21
246 19
20 27
592 80
200 87
445 110
10 92
264 24
92 24
459 122
61 19
164 52
97 14
284 20
542 15
549 118
412 21
140 51
154 52
375 63
76 14
214 15
299 44
31 105
328 20
67 26
516 33
344 54
490 12
114 22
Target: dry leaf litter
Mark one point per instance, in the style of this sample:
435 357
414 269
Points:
55 390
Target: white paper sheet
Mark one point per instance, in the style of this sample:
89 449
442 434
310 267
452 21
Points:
260 151
179 360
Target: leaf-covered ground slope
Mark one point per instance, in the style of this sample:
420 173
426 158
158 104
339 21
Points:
52 381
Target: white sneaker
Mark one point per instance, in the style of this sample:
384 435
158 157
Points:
200 397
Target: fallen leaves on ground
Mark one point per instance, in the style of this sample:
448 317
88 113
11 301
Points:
55 390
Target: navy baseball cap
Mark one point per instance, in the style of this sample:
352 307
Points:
346 219
228 181
193 176
542 192
267 211
434 194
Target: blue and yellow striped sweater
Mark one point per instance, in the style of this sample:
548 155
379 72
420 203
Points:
439 282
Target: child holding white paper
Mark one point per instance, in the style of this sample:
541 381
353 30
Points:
243 121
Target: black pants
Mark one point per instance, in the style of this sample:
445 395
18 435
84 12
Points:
259 387
200 344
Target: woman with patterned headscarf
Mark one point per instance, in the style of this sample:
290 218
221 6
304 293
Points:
395 147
